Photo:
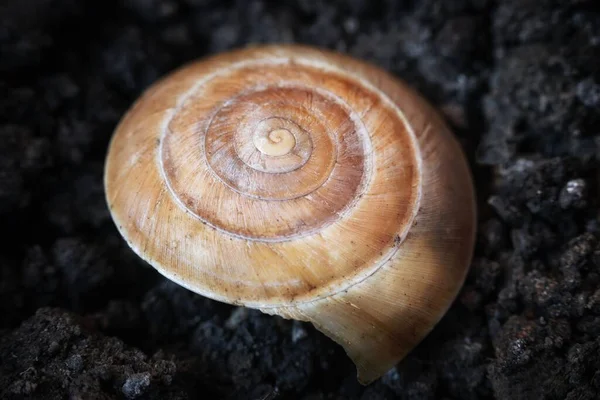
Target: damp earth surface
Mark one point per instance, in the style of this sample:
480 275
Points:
82 317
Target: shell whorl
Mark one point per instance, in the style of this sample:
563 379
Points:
285 158
328 189
303 183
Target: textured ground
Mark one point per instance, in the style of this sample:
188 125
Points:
82 318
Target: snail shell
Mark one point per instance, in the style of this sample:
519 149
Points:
303 183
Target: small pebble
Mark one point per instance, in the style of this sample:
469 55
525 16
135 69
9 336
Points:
573 194
136 385
298 331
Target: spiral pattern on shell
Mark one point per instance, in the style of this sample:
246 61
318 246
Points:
288 155
303 183
285 158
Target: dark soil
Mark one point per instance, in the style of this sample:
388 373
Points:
81 317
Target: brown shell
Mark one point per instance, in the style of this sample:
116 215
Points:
303 183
